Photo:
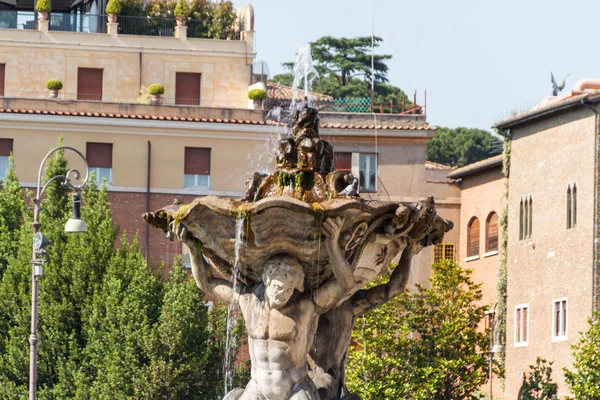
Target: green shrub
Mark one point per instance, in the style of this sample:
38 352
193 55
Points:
114 7
54 84
42 5
156 88
257 94
182 9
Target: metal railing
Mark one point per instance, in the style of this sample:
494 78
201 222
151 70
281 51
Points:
71 22
109 98
12 19
157 26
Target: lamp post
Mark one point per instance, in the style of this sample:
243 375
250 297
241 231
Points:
75 224
494 348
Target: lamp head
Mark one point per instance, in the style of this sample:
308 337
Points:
75 224
497 348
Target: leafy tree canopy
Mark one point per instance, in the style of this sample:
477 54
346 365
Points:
461 146
584 380
344 66
423 345
538 384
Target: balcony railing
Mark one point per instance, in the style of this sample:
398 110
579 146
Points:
107 98
128 25
12 19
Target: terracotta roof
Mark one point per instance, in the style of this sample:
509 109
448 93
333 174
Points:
551 105
492 162
137 116
283 92
409 127
437 166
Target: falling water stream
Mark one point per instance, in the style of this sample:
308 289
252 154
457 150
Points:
232 309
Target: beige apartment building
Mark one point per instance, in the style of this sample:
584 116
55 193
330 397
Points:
553 265
203 138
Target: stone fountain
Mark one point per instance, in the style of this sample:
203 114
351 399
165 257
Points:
294 254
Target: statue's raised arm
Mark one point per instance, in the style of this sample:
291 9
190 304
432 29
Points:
218 287
336 288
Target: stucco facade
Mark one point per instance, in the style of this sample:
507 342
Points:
550 266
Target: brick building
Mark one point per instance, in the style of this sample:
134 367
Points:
553 238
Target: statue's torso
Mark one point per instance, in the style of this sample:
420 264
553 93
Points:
278 342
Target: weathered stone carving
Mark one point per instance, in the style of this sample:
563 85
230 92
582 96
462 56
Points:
308 249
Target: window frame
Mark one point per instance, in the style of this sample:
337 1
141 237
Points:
443 247
489 251
470 237
519 327
368 156
563 329
99 178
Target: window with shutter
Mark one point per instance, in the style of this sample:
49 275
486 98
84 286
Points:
99 158
2 78
89 84
473 238
6 148
197 167
491 232
187 88
342 161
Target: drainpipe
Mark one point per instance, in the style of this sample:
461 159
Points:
148 200
596 247
140 68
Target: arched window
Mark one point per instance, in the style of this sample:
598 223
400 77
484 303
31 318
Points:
521 231
491 232
574 206
473 237
569 210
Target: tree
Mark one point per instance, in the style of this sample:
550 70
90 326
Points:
462 146
344 66
423 345
108 326
584 380
538 385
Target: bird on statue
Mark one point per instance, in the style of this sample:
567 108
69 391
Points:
351 189
557 87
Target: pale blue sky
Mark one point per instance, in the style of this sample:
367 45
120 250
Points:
478 60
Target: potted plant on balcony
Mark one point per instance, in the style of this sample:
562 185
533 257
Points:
182 10
257 96
113 8
43 8
156 90
54 85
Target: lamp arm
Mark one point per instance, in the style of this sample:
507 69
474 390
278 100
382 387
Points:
67 178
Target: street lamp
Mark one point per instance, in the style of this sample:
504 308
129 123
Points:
74 225
494 348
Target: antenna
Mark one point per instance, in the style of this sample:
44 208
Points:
372 52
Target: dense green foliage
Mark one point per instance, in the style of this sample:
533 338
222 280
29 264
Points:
114 7
109 327
257 94
42 5
182 9
584 380
156 88
538 383
462 146
344 66
54 84
423 345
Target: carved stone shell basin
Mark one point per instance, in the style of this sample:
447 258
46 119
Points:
278 225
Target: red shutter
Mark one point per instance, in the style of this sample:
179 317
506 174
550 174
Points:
187 89
6 147
197 161
2 72
89 84
99 155
342 161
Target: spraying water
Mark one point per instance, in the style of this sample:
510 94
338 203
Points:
232 308
304 73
